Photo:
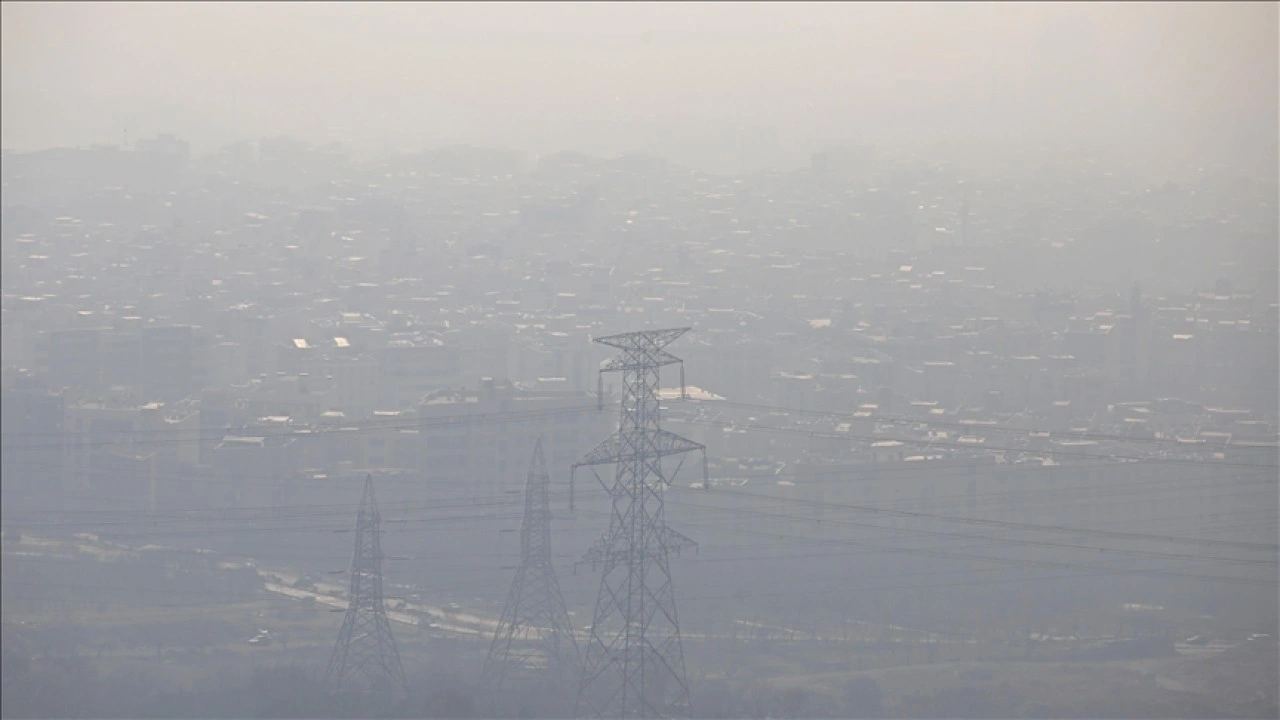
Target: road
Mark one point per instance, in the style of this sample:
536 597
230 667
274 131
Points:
327 594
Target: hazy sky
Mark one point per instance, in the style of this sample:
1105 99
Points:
638 76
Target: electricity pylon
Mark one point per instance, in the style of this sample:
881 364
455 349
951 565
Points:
366 651
534 628
634 663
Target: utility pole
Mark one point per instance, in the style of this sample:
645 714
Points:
535 615
634 663
366 651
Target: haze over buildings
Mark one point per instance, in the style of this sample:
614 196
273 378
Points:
983 352
712 85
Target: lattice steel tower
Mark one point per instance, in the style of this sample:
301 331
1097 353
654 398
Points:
366 651
634 663
534 627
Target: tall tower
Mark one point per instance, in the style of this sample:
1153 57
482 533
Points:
534 627
366 652
634 663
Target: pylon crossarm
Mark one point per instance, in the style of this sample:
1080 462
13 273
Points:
676 473
655 339
676 542
638 361
617 448
600 549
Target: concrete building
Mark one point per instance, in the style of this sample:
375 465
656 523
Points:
32 459
120 454
411 367
478 442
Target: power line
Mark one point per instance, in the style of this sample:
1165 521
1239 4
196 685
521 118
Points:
311 513
839 473
1107 571
976 426
1004 524
974 448
318 429
981 558
313 431
1011 541
458 554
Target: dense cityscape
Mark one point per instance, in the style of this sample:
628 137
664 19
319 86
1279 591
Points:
961 421
209 354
